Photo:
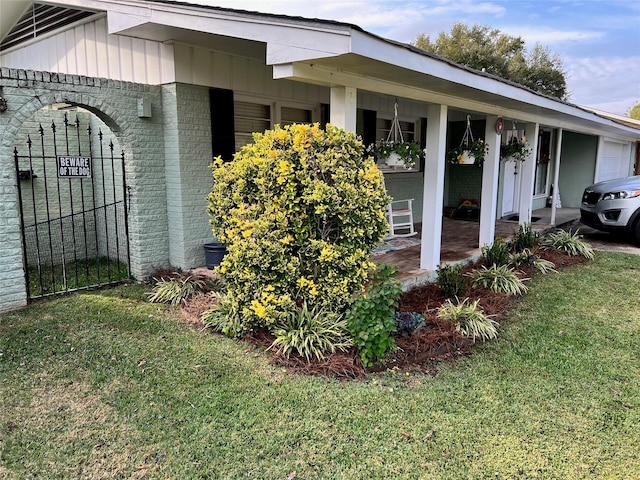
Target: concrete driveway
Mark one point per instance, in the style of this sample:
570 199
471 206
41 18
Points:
604 241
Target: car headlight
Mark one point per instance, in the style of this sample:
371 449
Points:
620 194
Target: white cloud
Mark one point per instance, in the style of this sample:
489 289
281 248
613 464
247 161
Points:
607 83
547 36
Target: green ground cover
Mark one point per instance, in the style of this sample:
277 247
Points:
103 384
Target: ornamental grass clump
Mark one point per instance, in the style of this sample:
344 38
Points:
524 238
469 319
569 243
500 279
311 332
299 210
179 287
497 253
526 257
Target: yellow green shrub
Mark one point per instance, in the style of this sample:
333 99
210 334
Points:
300 210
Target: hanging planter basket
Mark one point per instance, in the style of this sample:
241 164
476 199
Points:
394 151
394 160
466 158
516 149
470 151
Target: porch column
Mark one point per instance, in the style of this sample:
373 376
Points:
343 107
490 170
556 176
433 188
528 172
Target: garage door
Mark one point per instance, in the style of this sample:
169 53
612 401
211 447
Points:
613 160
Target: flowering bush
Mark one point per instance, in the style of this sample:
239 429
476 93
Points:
477 149
299 210
409 152
516 149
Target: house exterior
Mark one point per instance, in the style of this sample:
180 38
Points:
175 84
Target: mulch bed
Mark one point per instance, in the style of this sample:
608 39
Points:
434 342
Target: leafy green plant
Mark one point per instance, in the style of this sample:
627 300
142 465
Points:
476 149
567 242
527 257
497 253
299 210
371 317
224 316
409 152
451 280
469 319
524 238
498 279
515 149
311 332
407 323
178 288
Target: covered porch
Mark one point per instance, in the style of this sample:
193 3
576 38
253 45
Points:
460 243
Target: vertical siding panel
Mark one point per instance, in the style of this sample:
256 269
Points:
113 58
91 50
60 64
152 60
271 86
239 73
183 63
138 63
81 50
222 71
167 64
102 49
126 59
201 66
70 48
45 57
255 81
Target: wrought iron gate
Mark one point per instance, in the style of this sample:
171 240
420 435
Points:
73 209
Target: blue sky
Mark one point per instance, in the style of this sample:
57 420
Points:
598 40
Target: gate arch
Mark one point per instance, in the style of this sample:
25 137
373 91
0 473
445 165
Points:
115 103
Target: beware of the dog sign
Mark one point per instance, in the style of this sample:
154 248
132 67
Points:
74 167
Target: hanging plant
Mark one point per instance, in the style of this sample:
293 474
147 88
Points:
515 148
394 151
408 153
469 151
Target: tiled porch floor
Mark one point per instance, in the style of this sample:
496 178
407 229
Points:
460 242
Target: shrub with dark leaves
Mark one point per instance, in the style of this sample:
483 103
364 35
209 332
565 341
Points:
408 323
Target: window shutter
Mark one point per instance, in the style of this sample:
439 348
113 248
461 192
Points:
222 123
369 127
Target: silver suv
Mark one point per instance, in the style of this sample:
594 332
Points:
613 206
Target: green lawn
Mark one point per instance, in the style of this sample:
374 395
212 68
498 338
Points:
104 385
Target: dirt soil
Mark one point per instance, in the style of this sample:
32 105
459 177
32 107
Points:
436 341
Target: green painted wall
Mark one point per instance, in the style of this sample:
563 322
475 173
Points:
402 186
577 167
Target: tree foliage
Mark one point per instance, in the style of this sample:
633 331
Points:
300 210
482 48
634 112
